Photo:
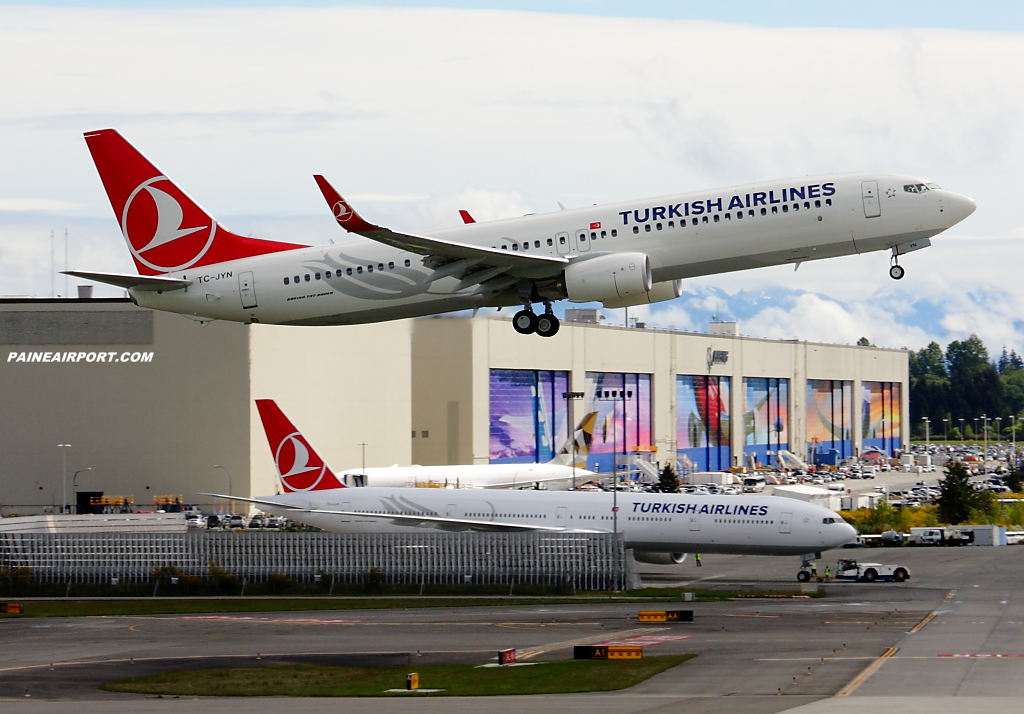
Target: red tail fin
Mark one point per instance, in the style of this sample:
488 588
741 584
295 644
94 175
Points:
466 218
298 466
164 228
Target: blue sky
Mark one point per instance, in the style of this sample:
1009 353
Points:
415 110
988 16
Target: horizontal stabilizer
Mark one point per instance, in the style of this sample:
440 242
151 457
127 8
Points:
136 282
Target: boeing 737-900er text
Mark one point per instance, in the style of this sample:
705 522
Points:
620 254
296 461
659 527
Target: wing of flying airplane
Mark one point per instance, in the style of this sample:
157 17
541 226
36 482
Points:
401 518
488 262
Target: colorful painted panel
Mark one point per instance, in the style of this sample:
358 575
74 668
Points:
765 416
623 405
527 415
702 421
830 416
881 405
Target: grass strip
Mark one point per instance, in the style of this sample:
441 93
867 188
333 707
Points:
562 676
60 607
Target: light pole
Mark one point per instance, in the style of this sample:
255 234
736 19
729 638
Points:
961 432
927 439
984 453
363 445
65 447
975 428
570 398
1013 432
945 431
999 429
74 486
231 488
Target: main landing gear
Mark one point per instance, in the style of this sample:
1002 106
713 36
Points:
526 322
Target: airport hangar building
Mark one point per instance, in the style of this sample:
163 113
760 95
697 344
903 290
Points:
170 408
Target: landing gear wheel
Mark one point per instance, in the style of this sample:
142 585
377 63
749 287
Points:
896 272
803 576
524 322
547 325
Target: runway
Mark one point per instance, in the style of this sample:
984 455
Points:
754 655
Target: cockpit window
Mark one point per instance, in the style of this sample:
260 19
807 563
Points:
916 188
933 186
830 520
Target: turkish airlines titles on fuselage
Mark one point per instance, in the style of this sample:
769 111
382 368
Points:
684 236
765 525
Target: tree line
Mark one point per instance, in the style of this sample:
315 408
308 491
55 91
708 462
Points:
961 385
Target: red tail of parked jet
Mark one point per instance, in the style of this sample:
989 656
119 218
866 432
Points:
298 465
164 228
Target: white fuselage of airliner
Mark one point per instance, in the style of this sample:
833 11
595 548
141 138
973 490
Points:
649 522
683 236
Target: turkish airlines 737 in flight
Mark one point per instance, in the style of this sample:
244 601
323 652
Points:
621 254
660 527
304 470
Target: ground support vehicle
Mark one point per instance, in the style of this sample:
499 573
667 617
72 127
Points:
849 569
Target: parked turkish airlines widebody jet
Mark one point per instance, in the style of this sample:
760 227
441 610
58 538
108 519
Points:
659 527
300 469
621 254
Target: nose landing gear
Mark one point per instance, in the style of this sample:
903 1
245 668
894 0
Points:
896 272
525 322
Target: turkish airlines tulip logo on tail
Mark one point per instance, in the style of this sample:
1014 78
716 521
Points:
163 228
299 466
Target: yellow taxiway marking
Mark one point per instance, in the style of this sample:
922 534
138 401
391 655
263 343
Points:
927 618
950 594
871 669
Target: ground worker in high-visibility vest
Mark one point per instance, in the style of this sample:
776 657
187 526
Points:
697 558
828 574
814 569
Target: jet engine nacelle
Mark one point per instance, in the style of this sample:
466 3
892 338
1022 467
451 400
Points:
646 556
659 292
616 276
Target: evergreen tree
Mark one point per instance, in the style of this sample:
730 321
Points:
929 385
974 384
957 498
1016 480
668 482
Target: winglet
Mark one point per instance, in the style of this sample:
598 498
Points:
466 218
344 214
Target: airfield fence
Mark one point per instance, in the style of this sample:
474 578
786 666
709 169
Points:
580 560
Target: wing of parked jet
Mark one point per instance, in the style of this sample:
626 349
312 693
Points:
409 519
442 251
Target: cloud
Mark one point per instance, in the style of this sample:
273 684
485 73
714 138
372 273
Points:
502 113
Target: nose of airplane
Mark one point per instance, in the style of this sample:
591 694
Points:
960 207
849 533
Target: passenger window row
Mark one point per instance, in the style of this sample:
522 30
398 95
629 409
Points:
525 246
338 273
717 218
